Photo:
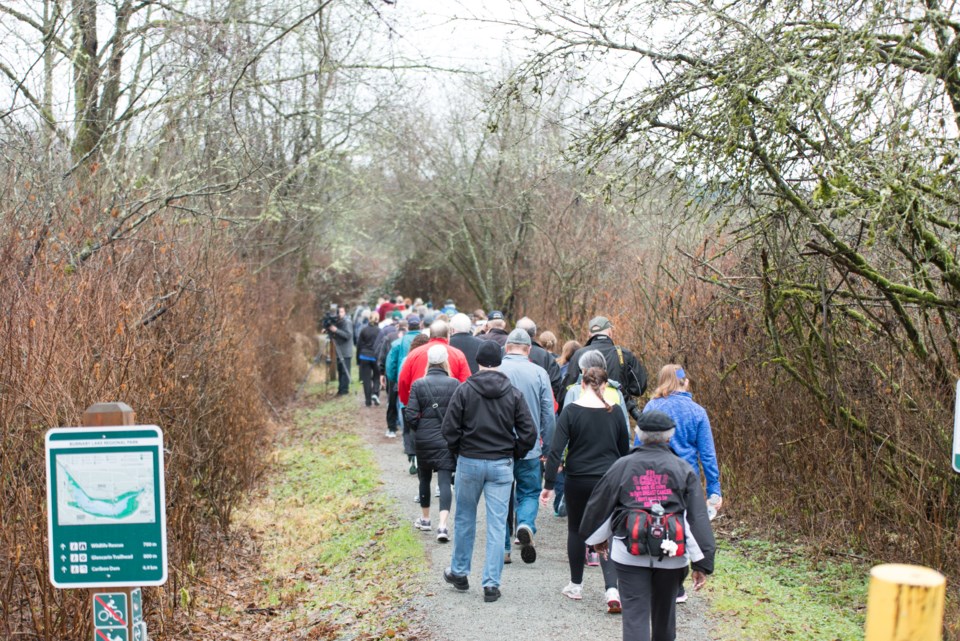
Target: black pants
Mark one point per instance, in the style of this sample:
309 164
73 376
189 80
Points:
343 375
370 377
649 598
425 473
392 411
577 493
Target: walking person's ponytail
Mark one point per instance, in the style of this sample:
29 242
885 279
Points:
596 379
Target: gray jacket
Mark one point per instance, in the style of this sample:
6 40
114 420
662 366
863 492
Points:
343 337
534 385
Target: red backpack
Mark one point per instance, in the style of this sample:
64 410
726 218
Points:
647 530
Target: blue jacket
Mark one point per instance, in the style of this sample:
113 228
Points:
398 351
693 440
534 385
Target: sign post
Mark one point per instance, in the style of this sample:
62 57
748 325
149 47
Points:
956 431
106 520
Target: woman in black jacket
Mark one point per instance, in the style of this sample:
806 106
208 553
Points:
367 360
594 436
429 398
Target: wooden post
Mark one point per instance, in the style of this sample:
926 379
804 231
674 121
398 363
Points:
905 603
111 415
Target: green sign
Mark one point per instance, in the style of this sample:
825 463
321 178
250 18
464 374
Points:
136 605
110 610
956 432
118 634
105 507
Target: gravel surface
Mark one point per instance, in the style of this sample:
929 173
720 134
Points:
531 607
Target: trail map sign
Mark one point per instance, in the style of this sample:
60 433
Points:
956 432
105 506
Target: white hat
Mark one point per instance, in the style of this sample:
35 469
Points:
436 354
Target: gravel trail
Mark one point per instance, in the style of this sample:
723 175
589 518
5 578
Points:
531 607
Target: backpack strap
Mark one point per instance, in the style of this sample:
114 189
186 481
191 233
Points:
619 353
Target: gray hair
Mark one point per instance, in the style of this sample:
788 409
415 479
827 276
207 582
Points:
439 329
526 323
650 438
460 323
591 358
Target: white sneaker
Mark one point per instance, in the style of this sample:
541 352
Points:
391 434
436 493
422 524
612 597
573 591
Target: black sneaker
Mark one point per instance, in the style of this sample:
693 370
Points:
525 536
491 593
456 580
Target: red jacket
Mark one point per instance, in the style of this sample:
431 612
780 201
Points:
415 366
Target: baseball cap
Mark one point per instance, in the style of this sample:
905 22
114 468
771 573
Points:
599 323
518 337
414 321
495 316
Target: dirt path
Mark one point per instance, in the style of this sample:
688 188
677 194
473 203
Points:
531 607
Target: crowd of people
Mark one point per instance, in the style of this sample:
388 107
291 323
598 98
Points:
487 411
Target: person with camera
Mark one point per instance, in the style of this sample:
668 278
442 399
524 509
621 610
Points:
340 329
622 365
652 504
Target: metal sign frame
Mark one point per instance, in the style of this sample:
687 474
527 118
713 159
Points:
95 542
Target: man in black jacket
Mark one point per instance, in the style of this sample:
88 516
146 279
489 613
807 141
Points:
622 365
464 340
341 333
543 358
487 425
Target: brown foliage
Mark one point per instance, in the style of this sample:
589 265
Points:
173 325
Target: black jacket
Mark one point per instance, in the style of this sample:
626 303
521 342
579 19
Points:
382 346
547 361
429 398
651 473
489 419
593 438
468 344
632 376
496 335
366 341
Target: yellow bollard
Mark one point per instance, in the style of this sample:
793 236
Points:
905 603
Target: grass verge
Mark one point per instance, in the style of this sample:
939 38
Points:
765 590
339 560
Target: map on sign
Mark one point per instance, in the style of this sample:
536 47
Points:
105 488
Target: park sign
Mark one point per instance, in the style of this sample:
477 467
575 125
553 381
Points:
956 432
106 521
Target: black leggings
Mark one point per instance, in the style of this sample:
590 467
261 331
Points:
576 493
425 473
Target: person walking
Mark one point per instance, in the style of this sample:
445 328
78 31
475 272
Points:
463 339
487 426
651 482
540 356
367 360
594 435
622 365
534 384
569 349
389 336
414 365
693 439
427 404
495 329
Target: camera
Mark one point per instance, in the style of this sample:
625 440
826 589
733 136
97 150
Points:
632 409
330 318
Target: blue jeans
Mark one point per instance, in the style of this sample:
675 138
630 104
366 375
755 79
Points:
492 479
527 505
